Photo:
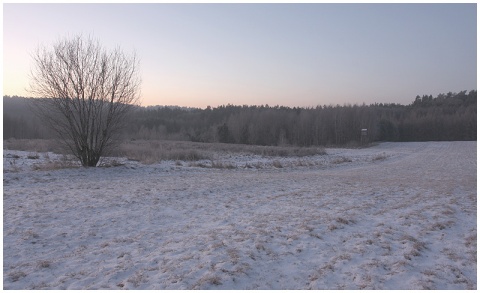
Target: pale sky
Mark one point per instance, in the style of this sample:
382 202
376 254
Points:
302 55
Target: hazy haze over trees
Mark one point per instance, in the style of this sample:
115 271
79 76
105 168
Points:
451 116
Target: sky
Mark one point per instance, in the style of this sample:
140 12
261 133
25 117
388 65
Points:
297 55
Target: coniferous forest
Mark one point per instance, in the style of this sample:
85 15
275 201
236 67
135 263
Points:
446 117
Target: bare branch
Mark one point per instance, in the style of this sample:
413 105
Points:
88 92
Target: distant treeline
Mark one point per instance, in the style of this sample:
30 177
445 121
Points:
451 116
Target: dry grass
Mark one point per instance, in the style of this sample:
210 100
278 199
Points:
137 279
247 230
110 163
14 168
15 276
471 240
150 152
415 246
34 145
33 156
222 165
154 151
277 164
341 160
379 157
65 162
212 164
332 227
209 279
44 264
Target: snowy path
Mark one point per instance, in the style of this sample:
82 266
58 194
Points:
406 222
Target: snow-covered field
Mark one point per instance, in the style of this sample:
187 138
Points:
394 216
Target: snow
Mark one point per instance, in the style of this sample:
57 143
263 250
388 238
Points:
393 216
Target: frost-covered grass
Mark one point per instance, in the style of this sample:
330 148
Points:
156 151
150 152
394 216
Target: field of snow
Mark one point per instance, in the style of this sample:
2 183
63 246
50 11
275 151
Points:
393 216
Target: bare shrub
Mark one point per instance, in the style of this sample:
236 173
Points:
86 93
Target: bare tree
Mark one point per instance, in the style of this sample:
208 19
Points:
86 93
